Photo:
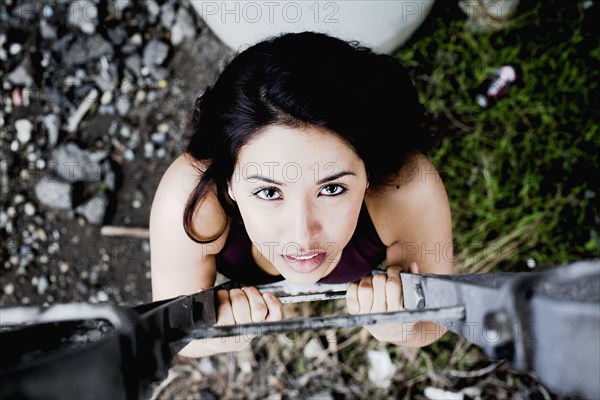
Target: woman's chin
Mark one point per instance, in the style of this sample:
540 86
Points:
304 279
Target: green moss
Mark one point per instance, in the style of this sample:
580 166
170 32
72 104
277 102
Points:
519 174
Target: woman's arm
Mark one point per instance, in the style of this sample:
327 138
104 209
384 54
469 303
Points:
181 266
419 230
178 264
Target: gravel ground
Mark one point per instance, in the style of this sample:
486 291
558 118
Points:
94 100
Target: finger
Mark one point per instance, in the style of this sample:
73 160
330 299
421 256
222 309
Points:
274 305
365 295
224 311
379 296
414 268
258 308
394 271
240 306
393 289
352 298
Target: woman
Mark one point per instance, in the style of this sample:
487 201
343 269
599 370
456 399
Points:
290 174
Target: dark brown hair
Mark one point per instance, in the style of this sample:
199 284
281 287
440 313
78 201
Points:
304 79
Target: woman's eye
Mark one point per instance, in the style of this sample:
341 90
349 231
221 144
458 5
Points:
334 190
266 193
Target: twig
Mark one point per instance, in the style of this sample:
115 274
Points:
474 374
83 108
544 392
460 125
125 231
352 373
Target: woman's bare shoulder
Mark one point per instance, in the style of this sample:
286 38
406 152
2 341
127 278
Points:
173 194
416 188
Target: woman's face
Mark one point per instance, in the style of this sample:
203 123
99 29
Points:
299 192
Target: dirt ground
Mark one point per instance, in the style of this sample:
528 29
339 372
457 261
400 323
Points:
89 266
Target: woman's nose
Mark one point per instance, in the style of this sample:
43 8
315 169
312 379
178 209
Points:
305 226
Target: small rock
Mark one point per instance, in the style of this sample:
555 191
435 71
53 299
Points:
48 11
136 39
381 370
63 267
148 149
155 53
106 97
47 30
54 194
84 15
94 209
245 360
324 395
167 15
15 49
128 155
123 105
108 79
75 164
159 73
29 209
53 248
313 349
21 75
161 153
153 10
140 96
163 127
117 35
24 128
52 124
42 284
134 64
158 137
440 394
84 50
110 178
9 289
102 296
184 27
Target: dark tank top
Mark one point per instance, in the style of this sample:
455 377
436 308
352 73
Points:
363 253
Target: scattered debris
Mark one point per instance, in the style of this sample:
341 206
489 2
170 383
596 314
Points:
382 369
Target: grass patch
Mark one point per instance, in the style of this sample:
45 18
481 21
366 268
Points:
521 174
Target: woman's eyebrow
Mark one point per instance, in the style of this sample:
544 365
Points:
319 182
335 176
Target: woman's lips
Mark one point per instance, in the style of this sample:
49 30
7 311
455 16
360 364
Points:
307 263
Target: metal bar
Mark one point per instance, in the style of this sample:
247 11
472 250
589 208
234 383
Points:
443 314
313 297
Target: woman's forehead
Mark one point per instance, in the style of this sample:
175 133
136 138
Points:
282 143
281 152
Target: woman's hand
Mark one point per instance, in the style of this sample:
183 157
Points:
380 293
244 306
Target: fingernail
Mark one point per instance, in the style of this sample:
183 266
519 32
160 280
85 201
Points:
414 266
